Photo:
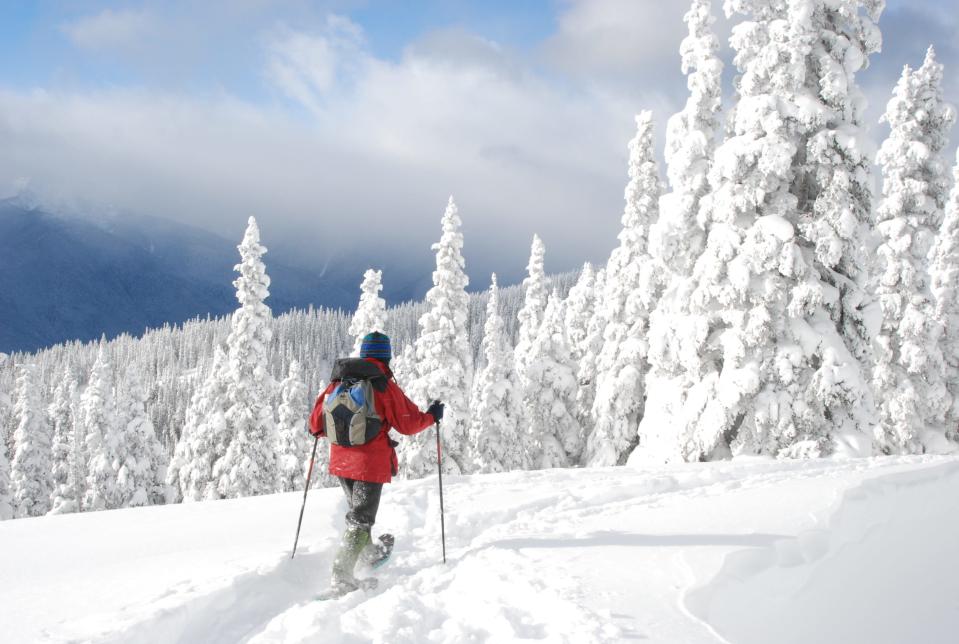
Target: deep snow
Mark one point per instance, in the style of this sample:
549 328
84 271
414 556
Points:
746 551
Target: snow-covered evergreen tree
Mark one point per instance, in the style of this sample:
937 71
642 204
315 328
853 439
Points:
32 466
534 305
371 312
833 175
249 465
65 497
944 282
141 475
677 239
634 281
6 497
496 434
907 376
557 436
204 438
443 361
580 308
97 423
590 349
294 444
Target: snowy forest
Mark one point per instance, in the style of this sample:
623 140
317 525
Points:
779 289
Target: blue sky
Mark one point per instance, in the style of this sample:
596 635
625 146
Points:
298 111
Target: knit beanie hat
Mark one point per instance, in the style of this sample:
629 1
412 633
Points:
376 345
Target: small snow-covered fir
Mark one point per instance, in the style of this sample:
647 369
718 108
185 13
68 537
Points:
496 433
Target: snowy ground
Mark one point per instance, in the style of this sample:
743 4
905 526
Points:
756 551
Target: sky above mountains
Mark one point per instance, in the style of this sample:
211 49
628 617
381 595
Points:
355 120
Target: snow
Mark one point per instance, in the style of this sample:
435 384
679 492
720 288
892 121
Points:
682 553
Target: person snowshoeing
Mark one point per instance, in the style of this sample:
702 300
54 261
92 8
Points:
362 454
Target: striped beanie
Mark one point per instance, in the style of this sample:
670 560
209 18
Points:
376 345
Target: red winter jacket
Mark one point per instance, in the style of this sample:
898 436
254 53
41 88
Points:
374 461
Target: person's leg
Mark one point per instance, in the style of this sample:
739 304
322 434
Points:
364 501
364 504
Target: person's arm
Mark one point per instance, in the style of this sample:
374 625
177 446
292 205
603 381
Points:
402 413
316 418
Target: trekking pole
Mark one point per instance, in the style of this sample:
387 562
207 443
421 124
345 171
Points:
309 475
439 463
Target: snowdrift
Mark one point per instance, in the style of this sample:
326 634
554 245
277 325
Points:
745 551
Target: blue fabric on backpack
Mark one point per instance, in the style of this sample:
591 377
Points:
356 393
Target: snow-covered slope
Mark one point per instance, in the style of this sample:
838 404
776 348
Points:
746 551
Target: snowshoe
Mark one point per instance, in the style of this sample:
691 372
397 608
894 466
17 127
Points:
377 554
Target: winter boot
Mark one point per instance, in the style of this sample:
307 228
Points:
355 539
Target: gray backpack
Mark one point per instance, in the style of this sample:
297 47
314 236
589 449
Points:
349 411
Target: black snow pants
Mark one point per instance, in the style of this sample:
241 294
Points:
363 498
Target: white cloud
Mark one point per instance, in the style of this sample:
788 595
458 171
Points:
110 29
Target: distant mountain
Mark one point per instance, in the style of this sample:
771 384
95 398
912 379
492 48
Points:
65 278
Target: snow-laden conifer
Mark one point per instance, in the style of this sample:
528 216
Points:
678 237
249 466
32 466
758 364
907 376
371 312
443 362
580 308
534 305
97 422
65 497
142 472
203 439
496 433
556 435
944 282
589 350
633 283
6 497
294 444
833 175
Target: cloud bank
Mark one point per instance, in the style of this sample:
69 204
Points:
339 140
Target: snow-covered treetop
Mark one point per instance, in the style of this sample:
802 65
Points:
371 312
534 285
690 133
915 179
252 286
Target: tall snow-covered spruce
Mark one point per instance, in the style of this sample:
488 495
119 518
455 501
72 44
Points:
249 465
203 439
97 423
679 237
633 283
371 312
142 472
556 434
496 432
534 305
65 497
32 466
908 362
6 497
442 360
944 282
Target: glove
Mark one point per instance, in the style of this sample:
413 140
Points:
436 410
